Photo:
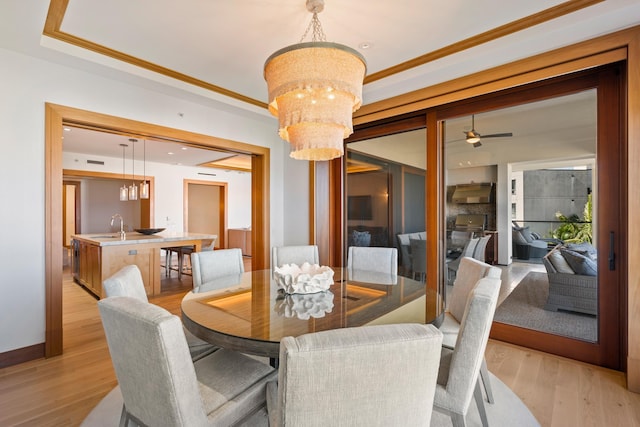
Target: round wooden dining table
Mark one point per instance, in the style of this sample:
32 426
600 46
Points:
247 312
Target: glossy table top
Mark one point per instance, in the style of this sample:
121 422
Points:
247 312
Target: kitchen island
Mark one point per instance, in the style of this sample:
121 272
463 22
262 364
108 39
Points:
96 257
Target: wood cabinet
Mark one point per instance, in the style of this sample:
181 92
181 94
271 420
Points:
95 258
240 238
89 260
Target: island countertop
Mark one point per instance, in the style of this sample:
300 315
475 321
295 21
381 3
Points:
95 257
134 238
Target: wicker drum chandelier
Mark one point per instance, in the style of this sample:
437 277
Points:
314 88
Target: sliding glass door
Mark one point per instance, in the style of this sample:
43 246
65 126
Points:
551 155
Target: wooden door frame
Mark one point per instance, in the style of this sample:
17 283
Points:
614 47
608 349
222 203
77 209
58 115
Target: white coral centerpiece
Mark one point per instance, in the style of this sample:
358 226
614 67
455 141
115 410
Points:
304 279
303 307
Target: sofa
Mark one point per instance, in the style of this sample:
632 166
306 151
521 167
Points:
527 245
573 282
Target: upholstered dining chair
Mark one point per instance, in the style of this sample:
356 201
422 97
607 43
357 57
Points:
419 258
469 274
209 265
184 254
374 259
460 367
128 282
467 251
481 248
382 375
281 255
160 384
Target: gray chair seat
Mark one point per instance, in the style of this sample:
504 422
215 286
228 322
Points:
161 385
128 282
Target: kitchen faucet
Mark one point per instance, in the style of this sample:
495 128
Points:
113 218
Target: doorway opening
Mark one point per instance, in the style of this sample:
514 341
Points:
55 117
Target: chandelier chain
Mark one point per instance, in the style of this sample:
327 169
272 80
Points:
317 32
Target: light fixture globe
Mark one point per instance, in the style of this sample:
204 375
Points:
314 88
472 137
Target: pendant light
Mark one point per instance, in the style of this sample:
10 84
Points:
144 185
133 188
124 191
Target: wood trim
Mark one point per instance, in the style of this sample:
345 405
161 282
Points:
435 224
493 34
53 232
261 213
55 116
57 9
21 355
602 50
633 207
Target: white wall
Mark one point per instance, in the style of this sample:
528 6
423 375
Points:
26 85
169 188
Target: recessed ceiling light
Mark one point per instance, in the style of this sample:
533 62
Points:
67 129
365 45
170 153
184 148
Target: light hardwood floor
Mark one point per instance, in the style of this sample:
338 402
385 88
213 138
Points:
62 390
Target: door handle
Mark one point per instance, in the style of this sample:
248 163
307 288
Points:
612 254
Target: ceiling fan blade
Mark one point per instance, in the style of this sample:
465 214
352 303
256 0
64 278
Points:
498 135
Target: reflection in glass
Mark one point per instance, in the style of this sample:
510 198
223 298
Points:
542 216
304 306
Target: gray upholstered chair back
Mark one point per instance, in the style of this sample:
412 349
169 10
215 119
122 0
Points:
419 257
481 248
371 376
209 265
469 273
458 374
374 259
152 363
126 282
294 255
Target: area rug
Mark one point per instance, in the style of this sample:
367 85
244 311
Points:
524 307
508 410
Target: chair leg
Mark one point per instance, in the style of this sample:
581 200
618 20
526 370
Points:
458 420
477 395
124 417
484 375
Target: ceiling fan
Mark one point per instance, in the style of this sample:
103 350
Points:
473 137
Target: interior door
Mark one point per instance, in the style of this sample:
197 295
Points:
205 208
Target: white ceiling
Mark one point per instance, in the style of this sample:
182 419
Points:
213 51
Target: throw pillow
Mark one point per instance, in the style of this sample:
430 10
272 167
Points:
518 238
559 263
584 248
581 264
